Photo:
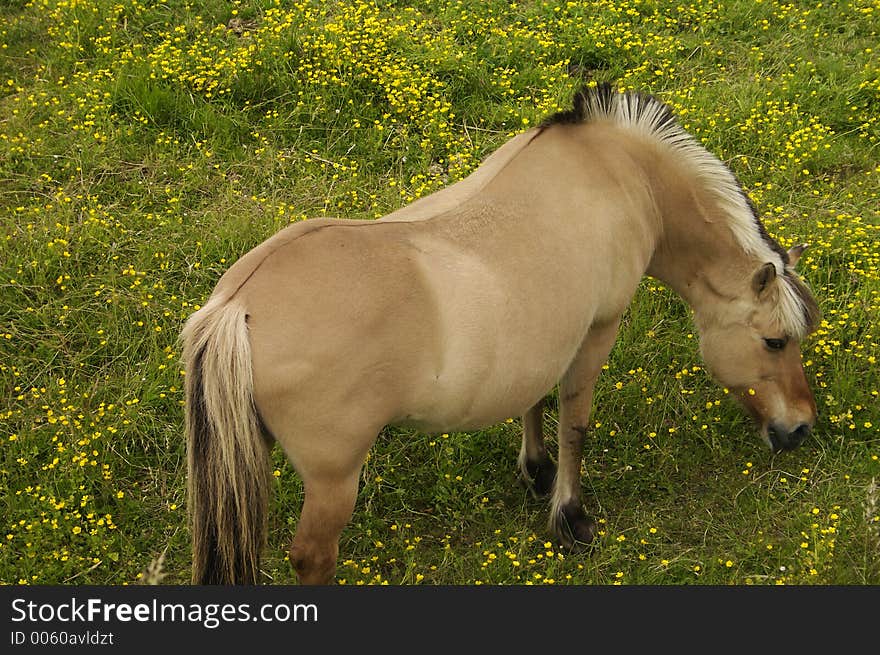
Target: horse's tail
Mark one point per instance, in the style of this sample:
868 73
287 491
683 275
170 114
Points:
227 455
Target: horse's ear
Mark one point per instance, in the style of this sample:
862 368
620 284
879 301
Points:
763 277
795 252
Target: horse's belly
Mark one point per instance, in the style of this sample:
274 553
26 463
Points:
499 344
479 392
461 415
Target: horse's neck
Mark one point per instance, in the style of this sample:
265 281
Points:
697 254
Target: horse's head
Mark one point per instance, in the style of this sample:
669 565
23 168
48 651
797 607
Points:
752 347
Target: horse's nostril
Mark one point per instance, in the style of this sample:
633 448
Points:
800 433
784 440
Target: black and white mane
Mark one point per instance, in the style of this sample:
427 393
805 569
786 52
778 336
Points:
797 313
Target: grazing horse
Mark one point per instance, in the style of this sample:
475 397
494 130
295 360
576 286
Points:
468 306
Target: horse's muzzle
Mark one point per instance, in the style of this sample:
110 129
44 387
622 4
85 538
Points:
783 440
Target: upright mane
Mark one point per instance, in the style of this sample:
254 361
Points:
796 309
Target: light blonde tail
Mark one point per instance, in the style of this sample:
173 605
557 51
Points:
227 456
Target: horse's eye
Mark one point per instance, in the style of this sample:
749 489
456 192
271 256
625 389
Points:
775 344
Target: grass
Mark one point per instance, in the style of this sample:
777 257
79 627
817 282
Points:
144 146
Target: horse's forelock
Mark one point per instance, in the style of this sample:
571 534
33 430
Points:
805 308
793 307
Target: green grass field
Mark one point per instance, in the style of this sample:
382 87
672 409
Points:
144 146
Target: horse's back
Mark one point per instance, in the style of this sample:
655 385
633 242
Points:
453 196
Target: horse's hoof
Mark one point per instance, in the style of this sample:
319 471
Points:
539 475
574 529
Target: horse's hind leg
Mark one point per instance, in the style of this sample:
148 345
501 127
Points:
568 519
329 462
536 468
327 508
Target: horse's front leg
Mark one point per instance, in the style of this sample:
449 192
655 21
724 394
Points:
568 520
536 468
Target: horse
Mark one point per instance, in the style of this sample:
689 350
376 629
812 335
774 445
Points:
471 305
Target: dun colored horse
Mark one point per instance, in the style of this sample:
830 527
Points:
467 307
